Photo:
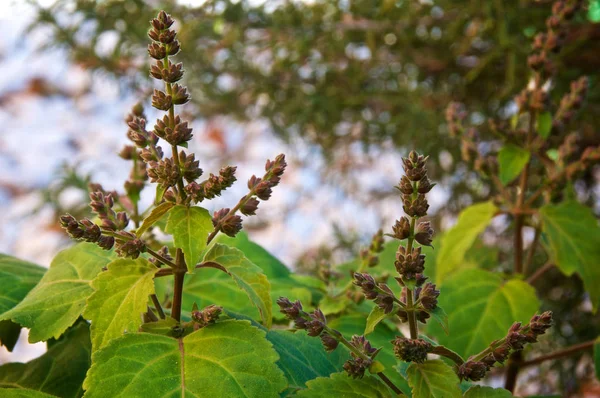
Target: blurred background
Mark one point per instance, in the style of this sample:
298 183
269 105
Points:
344 88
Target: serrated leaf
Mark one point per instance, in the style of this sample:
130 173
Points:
227 359
120 297
246 275
458 240
511 161
17 278
302 358
483 306
440 316
544 124
573 236
190 227
156 214
60 371
355 323
271 266
487 392
58 299
340 385
375 316
433 379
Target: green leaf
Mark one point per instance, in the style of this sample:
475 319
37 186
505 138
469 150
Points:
440 316
302 358
544 124
22 393
487 392
227 359
484 307
272 267
246 275
355 323
190 227
331 305
511 161
9 334
594 11
60 371
375 316
162 326
457 241
59 298
573 236
17 278
340 385
156 214
120 298
433 379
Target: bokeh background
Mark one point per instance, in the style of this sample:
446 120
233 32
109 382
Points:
343 88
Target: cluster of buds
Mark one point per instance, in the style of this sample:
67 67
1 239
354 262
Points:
411 350
369 256
225 220
380 293
413 187
455 115
315 324
571 102
126 243
478 365
206 316
552 40
361 360
213 186
175 132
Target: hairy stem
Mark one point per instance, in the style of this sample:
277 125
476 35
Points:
179 276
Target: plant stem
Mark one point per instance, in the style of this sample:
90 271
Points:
560 353
539 272
157 305
531 251
512 370
443 351
161 258
239 205
179 276
389 383
412 318
151 315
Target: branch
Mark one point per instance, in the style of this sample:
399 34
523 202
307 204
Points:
559 354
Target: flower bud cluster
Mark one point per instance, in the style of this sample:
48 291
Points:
358 364
477 366
551 41
571 102
315 325
369 257
126 243
411 350
206 316
225 220
213 186
413 187
380 293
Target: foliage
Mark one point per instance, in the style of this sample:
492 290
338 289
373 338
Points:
188 311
